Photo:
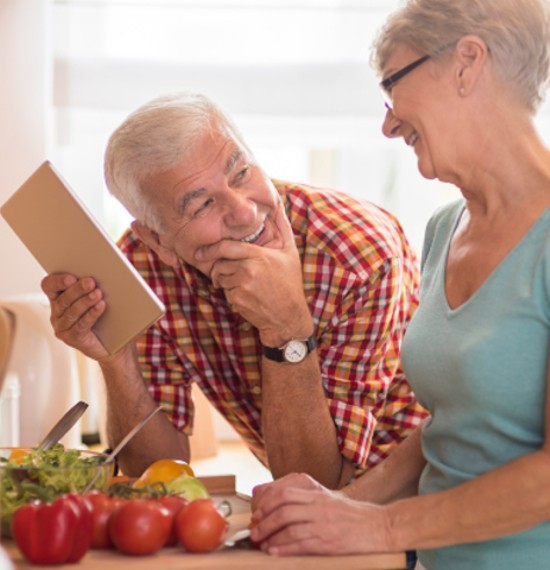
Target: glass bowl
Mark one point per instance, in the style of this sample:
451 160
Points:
26 475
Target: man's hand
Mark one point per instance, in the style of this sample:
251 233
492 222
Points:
76 305
264 283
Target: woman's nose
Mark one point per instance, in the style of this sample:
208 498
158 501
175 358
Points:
391 124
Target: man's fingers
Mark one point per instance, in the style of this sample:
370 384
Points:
56 283
66 299
229 273
75 306
226 249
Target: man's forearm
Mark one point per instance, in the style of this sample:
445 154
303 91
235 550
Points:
299 432
128 402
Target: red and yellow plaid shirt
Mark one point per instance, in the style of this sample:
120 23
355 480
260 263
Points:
360 279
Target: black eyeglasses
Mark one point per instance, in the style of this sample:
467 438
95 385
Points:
390 81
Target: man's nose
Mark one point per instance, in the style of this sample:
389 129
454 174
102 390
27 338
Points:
241 209
391 124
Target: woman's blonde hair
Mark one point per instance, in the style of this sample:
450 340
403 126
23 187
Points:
516 32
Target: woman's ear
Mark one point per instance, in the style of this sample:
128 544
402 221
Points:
152 239
470 56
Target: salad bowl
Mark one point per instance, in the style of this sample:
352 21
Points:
28 474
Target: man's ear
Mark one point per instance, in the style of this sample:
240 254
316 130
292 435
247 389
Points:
471 57
152 239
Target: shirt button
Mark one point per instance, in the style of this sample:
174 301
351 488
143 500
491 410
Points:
246 326
256 390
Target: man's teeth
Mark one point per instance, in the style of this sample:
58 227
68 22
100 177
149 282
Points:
253 237
413 138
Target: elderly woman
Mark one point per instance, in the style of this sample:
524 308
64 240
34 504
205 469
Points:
471 489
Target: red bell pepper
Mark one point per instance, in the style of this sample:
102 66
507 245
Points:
53 533
84 534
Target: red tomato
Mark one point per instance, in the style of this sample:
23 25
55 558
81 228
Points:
200 527
102 507
139 526
174 504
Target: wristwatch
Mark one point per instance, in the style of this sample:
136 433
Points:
293 352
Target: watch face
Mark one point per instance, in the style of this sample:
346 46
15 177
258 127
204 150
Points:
295 351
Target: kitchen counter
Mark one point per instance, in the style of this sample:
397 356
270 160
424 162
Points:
222 488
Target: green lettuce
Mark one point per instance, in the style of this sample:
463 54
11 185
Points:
46 475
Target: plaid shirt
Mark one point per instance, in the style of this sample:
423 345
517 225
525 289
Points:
360 280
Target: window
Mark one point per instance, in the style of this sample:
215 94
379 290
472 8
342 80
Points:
294 75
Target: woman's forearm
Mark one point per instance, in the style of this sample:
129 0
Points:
395 478
504 501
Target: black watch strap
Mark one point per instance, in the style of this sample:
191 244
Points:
278 354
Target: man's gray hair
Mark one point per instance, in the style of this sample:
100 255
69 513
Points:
153 139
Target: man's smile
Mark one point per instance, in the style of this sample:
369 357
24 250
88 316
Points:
254 236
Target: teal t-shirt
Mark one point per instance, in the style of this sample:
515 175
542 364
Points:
480 370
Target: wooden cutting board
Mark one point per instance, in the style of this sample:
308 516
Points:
227 559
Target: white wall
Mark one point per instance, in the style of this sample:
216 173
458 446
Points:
25 108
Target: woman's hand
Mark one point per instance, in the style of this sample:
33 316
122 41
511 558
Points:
297 480
295 516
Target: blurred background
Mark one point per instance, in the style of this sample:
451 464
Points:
294 74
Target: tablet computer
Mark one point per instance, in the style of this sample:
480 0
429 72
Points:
64 237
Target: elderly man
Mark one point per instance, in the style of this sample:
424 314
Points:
286 304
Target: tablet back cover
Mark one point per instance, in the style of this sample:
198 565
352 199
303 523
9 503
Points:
64 237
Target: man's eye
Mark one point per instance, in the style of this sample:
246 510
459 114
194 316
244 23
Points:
203 206
243 172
